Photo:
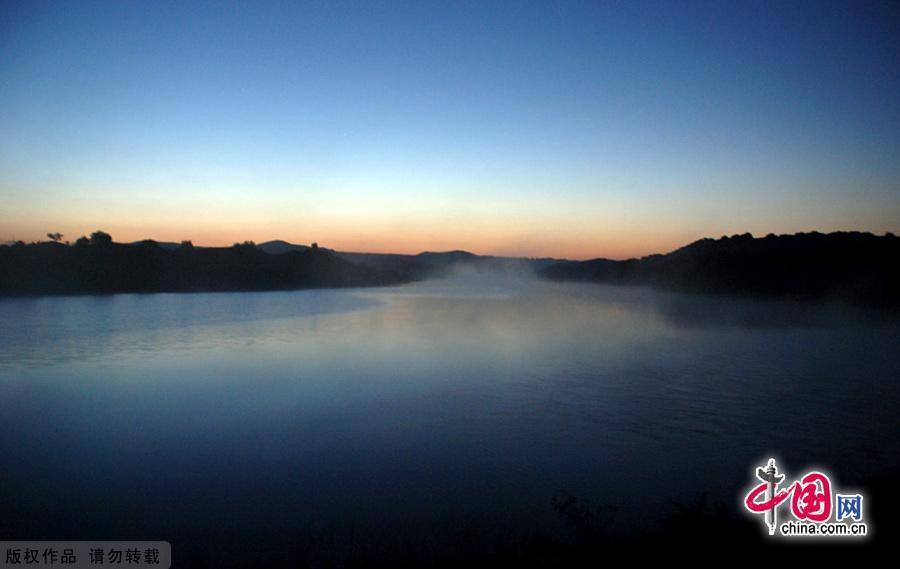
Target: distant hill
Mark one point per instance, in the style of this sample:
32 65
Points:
153 243
854 266
431 264
427 264
274 247
420 266
278 247
107 267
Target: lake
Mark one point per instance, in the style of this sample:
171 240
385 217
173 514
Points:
224 422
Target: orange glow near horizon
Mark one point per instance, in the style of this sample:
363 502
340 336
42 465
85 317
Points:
580 229
623 243
498 241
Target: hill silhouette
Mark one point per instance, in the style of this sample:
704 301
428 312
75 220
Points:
98 265
853 266
431 264
278 246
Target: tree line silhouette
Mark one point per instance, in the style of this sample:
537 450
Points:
852 266
96 264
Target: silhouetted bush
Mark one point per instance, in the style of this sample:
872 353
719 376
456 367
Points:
101 238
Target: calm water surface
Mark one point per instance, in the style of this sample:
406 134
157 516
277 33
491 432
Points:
222 418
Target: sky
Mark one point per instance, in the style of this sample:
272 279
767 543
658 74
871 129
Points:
579 130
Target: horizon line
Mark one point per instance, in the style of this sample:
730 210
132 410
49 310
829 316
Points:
376 251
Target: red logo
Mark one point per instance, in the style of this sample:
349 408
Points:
810 496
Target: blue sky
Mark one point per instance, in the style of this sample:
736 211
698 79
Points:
566 129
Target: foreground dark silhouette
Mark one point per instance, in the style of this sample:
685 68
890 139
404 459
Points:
100 266
849 266
585 535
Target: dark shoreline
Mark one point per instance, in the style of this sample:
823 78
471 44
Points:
848 267
114 268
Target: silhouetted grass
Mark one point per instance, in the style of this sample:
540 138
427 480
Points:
586 535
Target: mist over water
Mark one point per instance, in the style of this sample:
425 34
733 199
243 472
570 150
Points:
217 418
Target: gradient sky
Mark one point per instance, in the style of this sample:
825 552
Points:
543 129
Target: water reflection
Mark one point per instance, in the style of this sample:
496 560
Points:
267 415
38 331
